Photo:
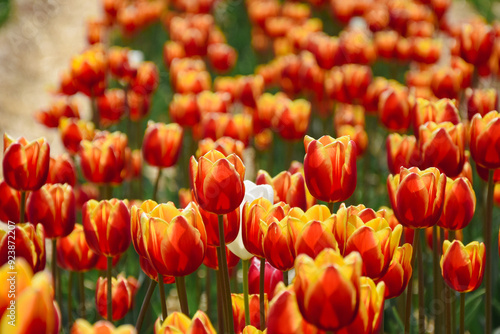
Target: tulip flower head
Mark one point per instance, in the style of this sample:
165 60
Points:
162 144
29 244
73 252
484 139
399 272
459 204
82 326
123 292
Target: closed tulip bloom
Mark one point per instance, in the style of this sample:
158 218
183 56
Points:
24 273
402 151
73 131
62 170
443 146
476 43
40 313
292 119
123 292
238 307
345 222
171 51
484 140
25 164
62 107
175 240
10 203
399 272
257 216
426 50
394 108
278 245
192 81
376 242
111 106
103 159
82 326
54 207
446 82
225 145
459 204
217 181
443 110
162 144
481 101
328 288
357 134
289 188
146 79
29 244
212 261
107 226
273 276
184 110
88 70
417 196
372 95
139 105
73 252
330 168
314 237
371 308
462 266
222 56
231 226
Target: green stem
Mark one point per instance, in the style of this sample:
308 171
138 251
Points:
109 299
331 207
221 320
270 161
225 277
163 301
436 272
208 291
70 299
487 244
145 305
462 313
289 153
453 306
409 288
262 294
421 309
22 208
81 290
245 292
180 281
54 262
285 277
157 182
95 110
447 306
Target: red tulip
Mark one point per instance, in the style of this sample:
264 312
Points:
399 272
463 267
10 202
272 277
62 170
73 252
402 151
484 140
29 244
481 101
123 292
212 261
73 131
459 204
61 107
238 307
162 144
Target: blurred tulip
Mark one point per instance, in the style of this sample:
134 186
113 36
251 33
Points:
10 203
103 159
147 78
481 101
399 272
357 134
446 82
171 51
84 193
185 196
62 170
23 277
252 192
25 164
443 110
394 108
162 144
208 101
476 43
222 57
138 104
484 140
73 131
272 277
371 308
88 70
111 106
73 252
82 326
292 119
330 168
123 292
162 228
462 266
217 181
107 226
414 188
328 288
184 110
373 92
426 50
225 145
40 311
67 84
192 81
459 204
177 322
29 244
402 151
263 140
238 306
443 146
54 207
120 64
61 107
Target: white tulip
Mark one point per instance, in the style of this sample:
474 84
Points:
252 191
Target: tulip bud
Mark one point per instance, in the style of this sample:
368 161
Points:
146 79
272 277
446 82
402 151
73 252
120 63
330 168
73 131
25 164
29 244
61 107
111 106
399 272
484 139
171 51
414 188
162 144
10 203
443 110
462 266
62 170
288 188
107 226
481 101
426 50
394 108
459 204
476 43
217 181
53 206
184 110
225 145
222 57
122 295
88 70
332 282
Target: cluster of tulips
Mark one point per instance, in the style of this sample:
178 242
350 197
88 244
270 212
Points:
180 191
